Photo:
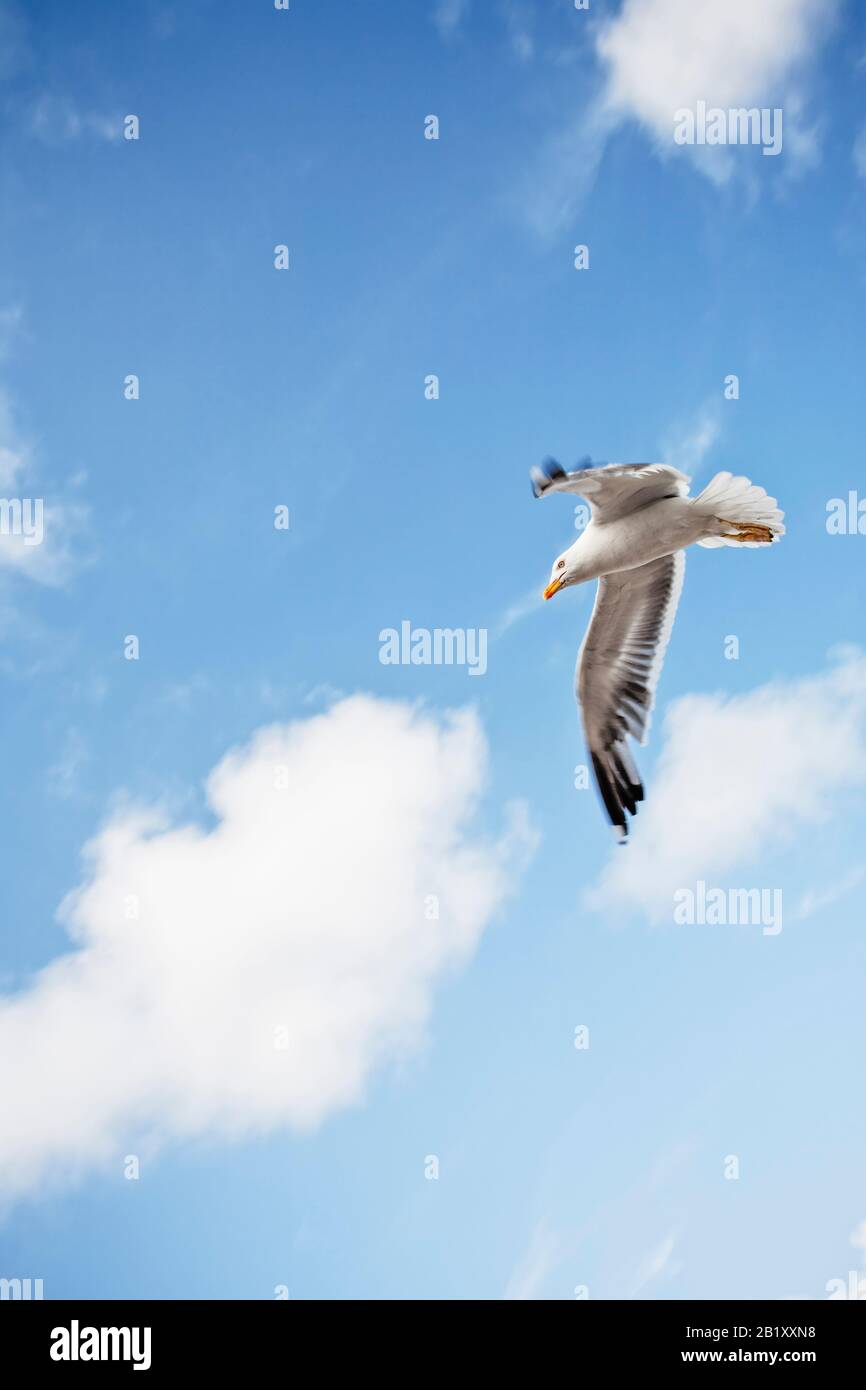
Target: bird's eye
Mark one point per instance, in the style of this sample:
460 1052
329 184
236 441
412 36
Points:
561 565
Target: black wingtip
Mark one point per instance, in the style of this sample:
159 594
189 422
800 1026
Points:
552 469
541 478
610 797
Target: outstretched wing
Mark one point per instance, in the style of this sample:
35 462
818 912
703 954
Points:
612 489
617 671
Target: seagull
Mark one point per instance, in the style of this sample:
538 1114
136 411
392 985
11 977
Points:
641 521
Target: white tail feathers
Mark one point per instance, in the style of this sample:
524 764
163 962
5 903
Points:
738 512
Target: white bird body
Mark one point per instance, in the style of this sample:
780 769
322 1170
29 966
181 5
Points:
642 521
659 528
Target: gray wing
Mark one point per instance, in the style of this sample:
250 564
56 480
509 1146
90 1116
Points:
612 489
617 672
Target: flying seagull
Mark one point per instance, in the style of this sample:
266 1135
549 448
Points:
642 519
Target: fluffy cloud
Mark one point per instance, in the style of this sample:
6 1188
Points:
657 57
276 958
663 55
737 774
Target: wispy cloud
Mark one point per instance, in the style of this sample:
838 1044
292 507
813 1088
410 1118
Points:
657 1263
519 21
63 775
542 1254
14 48
688 443
818 900
11 319
448 16
563 173
51 116
520 609
56 120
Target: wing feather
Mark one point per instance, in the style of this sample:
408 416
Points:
617 672
612 489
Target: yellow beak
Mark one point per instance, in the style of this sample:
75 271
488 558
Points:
552 588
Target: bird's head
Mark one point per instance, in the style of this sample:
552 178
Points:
562 574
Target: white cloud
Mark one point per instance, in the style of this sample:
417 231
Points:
303 908
859 152
739 774
660 56
663 55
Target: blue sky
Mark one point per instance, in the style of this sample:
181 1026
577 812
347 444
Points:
558 1169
